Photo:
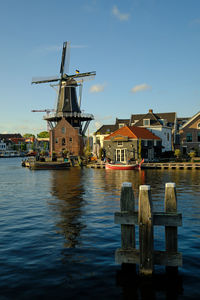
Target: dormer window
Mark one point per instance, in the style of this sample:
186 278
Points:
146 122
108 130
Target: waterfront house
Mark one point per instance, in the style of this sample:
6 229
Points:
12 140
2 146
132 143
190 135
106 130
161 124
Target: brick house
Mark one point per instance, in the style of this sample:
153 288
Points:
190 135
65 137
127 142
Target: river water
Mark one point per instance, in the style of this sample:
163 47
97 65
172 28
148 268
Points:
58 236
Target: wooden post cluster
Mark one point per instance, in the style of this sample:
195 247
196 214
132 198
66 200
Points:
145 218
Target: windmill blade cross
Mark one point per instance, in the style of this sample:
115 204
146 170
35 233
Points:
81 76
37 80
64 67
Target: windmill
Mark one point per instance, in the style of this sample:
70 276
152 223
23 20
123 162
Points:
68 106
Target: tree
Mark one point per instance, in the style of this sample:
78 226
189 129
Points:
43 134
140 149
23 146
28 135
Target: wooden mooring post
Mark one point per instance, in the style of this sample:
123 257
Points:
145 218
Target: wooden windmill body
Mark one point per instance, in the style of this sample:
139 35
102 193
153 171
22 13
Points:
68 124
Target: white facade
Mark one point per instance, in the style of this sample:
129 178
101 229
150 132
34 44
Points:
99 139
2 146
165 133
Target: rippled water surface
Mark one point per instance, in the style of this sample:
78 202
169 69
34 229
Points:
58 236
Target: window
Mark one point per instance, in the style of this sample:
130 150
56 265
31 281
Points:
189 137
63 130
70 139
63 141
119 143
146 122
168 136
120 155
56 140
198 137
198 125
155 143
145 143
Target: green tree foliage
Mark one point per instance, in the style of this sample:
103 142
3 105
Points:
43 134
192 154
23 146
28 135
140 149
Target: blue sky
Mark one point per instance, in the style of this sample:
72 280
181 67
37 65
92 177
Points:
146 54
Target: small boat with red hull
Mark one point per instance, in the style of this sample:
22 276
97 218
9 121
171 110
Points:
120 166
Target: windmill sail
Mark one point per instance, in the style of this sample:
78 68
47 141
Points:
64 67
45 79
68 105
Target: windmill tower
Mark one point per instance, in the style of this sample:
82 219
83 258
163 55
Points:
68 106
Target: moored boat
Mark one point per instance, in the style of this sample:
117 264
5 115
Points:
120 166
50 165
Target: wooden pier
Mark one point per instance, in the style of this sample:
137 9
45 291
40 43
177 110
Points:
162 166
96 166
145 218
172 166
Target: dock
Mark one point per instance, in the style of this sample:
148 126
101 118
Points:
96 165
162 166
172 166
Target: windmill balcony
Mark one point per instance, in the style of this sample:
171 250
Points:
69 114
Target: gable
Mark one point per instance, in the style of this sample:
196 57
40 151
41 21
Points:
193 122
63 127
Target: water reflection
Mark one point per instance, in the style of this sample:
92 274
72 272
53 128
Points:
68 201
159 286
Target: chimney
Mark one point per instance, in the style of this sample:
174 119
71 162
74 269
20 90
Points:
150 110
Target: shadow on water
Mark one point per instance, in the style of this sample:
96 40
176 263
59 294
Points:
67 190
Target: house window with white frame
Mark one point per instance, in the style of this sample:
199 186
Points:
145 143
146 122
119 143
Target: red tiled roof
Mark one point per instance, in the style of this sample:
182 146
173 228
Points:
133 132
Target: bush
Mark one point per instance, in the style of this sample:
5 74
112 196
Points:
178 153
192 154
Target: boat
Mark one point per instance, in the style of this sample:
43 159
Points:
120 166
50 165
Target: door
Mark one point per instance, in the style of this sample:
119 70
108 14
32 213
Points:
120 155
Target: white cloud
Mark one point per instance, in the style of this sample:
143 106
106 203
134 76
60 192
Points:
140 87
97 88
119 15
